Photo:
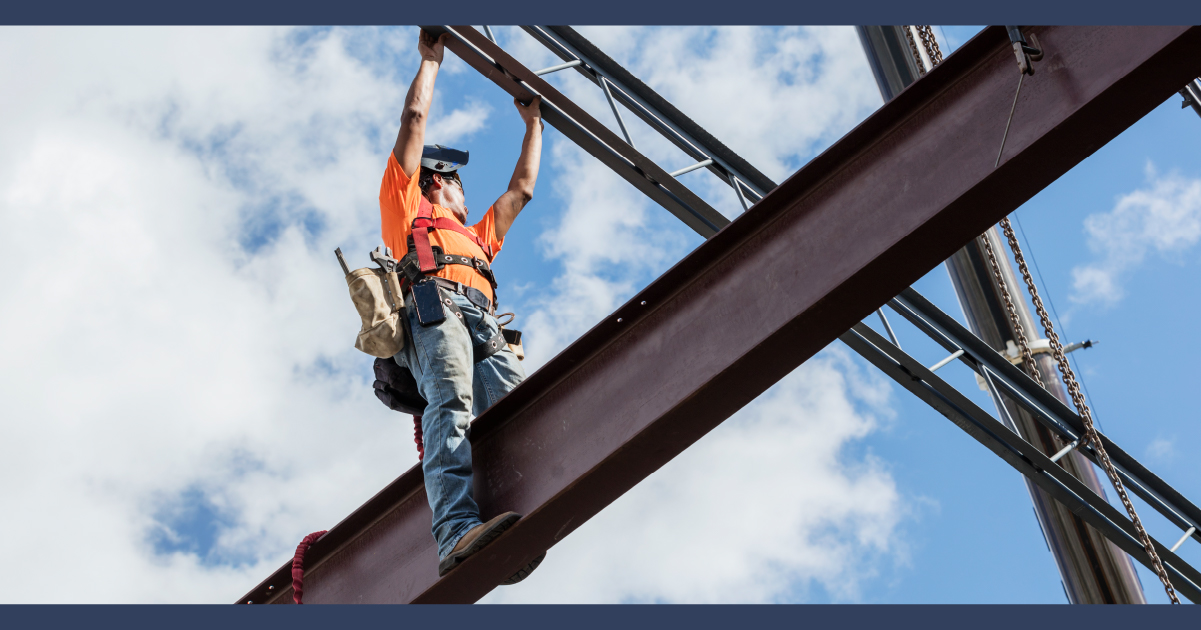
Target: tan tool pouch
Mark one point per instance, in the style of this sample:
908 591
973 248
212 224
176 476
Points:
376 295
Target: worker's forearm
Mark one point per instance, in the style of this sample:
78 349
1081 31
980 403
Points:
526 172
421 92
412 120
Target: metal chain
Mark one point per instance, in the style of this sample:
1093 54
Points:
917 57
1019 332
1069 377
930 43
1091 435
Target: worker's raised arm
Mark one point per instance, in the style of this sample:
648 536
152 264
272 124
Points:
521 186
417 104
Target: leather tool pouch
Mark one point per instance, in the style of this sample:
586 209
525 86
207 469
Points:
376 296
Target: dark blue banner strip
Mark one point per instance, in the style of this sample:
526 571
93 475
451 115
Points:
891 617
350 12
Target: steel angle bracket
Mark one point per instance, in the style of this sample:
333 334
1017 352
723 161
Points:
1018 453
572 121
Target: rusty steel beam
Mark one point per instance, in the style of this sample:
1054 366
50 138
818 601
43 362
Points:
887 203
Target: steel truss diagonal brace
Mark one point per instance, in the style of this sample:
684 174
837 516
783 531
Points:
654 110
1043 406
1023 456
849 231
572 121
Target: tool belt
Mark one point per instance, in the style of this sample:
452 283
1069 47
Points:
378 297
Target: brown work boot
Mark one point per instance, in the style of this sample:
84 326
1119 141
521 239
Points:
477 539
525 571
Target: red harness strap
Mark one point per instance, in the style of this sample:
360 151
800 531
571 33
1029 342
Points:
425 222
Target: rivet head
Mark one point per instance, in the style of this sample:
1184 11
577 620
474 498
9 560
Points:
618 320
644 302
249 602
271 588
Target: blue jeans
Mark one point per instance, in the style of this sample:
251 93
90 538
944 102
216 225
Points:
456 390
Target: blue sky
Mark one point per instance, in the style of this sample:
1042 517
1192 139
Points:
210 424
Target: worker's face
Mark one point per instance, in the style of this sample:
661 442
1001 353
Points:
452 188
452 194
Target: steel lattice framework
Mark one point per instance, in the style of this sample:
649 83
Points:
880 208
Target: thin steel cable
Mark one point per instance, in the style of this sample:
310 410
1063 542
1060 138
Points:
1091 435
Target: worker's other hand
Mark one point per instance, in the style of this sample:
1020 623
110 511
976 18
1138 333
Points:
530 113
431 47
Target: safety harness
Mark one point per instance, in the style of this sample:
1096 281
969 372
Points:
423 260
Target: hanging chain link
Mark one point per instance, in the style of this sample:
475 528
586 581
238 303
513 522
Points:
1019 331
917 57
930 43
1091 436
1069 378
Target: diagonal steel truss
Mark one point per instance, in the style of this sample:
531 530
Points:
380 552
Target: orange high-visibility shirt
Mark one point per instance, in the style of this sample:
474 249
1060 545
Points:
399 199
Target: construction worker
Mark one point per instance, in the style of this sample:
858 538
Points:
450 300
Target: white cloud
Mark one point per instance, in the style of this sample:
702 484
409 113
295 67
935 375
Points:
761 510
1163 218
172 318
608 239
775 95
1161 449
176 337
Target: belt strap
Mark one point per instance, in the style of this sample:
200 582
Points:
474 295
483 350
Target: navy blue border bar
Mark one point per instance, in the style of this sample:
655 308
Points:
349 12
846 617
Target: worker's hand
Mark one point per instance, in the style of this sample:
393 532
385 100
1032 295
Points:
530 113
430 47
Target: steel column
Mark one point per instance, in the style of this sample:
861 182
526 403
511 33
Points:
861 222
